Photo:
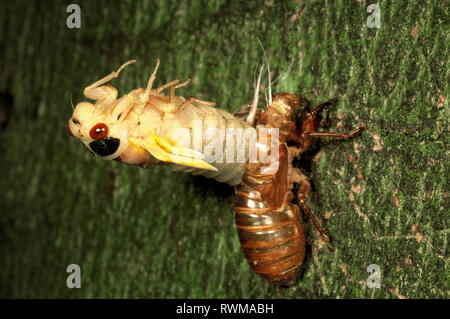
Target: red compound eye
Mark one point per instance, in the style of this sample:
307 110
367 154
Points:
70 132
99 131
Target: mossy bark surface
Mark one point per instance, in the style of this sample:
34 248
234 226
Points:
155 233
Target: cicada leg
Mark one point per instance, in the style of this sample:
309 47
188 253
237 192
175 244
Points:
150 81
296 176
193 99
171 84
314 114
173 88
97 91
339 136
310 214
322 106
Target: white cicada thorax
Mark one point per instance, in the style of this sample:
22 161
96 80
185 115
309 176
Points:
145 127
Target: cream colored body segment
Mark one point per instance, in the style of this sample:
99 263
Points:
147 128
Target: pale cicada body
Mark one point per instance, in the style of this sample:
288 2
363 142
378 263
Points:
147 128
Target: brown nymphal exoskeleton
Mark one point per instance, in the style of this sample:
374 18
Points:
268 221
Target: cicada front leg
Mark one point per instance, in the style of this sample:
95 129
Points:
339 136
105 94
315 113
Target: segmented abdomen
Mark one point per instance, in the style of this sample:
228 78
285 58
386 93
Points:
272 239
198 119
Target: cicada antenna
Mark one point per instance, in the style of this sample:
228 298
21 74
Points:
268 73
251 115
71 102
268 90
284 72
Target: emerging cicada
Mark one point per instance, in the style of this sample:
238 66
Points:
147 128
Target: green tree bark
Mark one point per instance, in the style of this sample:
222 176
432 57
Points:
159 234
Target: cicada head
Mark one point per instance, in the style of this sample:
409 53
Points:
104 133
281 113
